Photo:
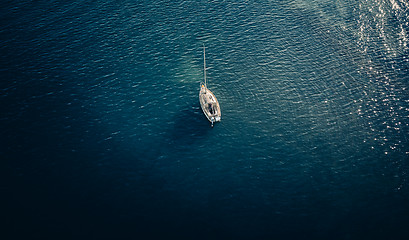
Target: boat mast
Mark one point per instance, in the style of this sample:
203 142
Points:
204 65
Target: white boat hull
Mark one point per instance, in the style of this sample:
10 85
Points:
210 105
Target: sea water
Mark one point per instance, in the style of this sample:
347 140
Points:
102 135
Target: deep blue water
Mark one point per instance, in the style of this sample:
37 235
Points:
102 135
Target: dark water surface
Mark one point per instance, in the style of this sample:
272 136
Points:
102 135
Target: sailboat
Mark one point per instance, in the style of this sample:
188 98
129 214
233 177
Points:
208 101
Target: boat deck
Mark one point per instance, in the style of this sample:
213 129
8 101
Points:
209 104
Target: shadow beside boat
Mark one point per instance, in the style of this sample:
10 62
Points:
189 125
